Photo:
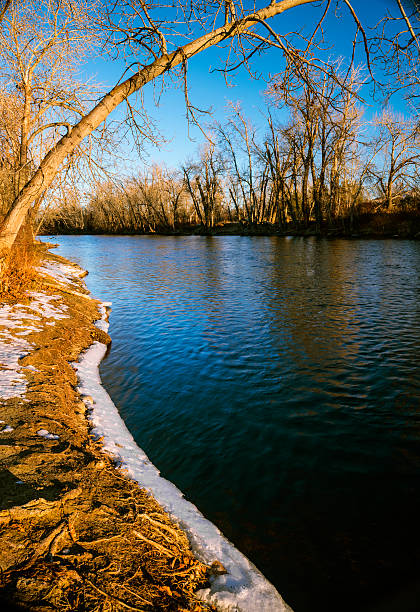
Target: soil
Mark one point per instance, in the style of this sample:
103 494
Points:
75 533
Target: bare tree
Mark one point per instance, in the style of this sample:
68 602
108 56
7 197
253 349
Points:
395 48
399 146
278 158
153 201
39 78
203 184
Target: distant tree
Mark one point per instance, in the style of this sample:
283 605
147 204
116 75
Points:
153 201
203 184
322 142
399 146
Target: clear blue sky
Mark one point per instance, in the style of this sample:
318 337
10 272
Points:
209 91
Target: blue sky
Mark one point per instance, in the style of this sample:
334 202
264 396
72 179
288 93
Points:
208 89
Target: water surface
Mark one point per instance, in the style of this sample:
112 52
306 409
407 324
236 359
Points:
275 381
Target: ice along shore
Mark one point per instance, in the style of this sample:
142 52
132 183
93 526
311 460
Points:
232 583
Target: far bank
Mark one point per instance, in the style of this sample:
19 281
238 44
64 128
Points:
394 224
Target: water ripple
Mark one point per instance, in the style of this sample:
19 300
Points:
276 382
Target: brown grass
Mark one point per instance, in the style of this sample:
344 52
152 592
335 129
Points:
18 273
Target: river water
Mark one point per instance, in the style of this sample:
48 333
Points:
276 382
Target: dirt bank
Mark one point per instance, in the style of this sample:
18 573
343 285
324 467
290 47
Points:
74 533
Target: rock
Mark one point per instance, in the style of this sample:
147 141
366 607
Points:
87 399
217 569
80 408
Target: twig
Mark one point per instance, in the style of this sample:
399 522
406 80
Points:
65 290
100 541
137 595
122 603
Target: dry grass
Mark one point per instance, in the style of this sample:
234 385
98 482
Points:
18 273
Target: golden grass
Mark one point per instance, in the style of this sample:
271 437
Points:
18 272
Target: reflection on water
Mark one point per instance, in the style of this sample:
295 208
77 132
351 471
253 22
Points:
276 382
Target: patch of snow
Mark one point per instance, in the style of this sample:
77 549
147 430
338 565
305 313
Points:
17 321
28 331
102 323
243 588
44 306
7 429
12 381
63 273
44 433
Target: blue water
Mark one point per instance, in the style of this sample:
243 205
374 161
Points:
276 382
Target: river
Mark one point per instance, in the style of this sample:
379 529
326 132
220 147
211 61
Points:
276 382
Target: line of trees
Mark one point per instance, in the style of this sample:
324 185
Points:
322 169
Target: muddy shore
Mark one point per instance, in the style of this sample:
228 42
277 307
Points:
75 534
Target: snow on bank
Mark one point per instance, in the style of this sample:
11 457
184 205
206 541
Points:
243 588
20 320
63 273
44 433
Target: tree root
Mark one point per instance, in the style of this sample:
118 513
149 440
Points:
112 597
163 550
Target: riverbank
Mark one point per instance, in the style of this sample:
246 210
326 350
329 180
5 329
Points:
384 224
77 533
